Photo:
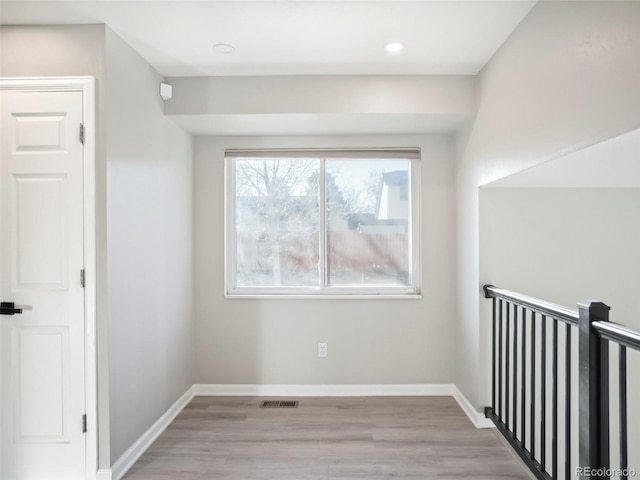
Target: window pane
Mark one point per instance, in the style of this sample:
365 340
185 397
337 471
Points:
368 217
277 222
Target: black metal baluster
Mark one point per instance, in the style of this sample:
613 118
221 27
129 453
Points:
515 372
532 396
493 354
523 376
554 411
622 379
593 336
543 392
604 402
507 398
499 412
567 404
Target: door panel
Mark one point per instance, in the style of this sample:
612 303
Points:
40 132
42 396
40 225
36 421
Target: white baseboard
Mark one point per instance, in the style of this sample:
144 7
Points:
407 390
128 458
478 419
104 475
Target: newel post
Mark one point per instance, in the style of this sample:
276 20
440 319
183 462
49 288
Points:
593 392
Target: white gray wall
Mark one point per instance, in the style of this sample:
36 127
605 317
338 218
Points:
565 245
566 78
323 94
149 242
51 50
274 341
78 50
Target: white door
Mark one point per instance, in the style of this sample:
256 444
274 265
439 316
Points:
42 397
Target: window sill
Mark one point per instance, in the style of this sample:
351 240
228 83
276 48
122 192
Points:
344 296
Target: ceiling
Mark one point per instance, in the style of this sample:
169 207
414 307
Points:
295 37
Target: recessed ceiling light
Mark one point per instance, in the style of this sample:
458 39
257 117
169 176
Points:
224 48
394 47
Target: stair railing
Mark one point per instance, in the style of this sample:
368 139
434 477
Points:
533 384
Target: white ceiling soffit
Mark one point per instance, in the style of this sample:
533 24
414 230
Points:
614 163
295 37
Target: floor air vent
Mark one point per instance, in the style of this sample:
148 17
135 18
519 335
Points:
279 404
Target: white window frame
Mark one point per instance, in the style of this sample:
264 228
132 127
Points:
324 291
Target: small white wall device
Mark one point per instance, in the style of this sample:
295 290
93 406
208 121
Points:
166 91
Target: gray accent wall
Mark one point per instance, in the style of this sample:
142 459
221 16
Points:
274 341
149 208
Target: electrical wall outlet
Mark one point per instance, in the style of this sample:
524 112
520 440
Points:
322 350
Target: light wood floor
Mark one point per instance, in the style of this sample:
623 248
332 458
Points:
376 438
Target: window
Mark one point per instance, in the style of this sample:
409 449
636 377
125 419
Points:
322 222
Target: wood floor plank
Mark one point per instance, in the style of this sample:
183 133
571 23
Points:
341 438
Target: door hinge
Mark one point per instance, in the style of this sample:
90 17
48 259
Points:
84 423
82 133
82 278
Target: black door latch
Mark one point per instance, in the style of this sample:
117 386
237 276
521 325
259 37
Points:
9 308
